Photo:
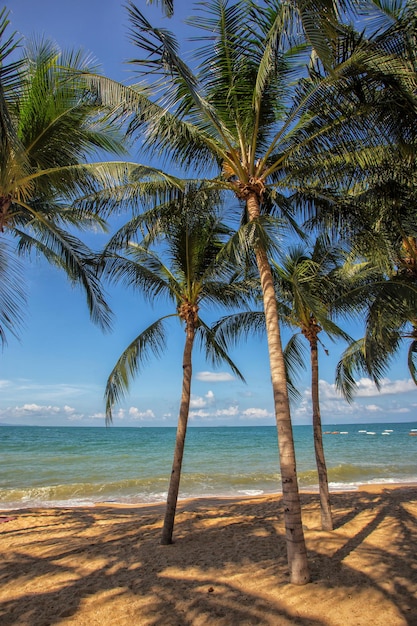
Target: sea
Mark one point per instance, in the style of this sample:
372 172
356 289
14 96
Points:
69 467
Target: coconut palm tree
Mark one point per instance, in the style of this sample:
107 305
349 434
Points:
251 112
51 127
311 286
308 285
186 271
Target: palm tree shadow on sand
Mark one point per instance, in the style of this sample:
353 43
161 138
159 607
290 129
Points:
227 566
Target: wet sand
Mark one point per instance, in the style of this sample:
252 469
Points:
227 567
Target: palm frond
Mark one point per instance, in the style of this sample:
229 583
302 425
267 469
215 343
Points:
151 340
353 361
231 328
67 252
168 6
412 360
216 350
12 295
295 361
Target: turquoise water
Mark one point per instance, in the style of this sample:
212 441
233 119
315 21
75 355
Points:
81 466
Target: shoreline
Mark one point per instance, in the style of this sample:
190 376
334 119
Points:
104 565
314 490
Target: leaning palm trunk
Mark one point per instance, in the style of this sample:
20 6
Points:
296 549
174 483
326 513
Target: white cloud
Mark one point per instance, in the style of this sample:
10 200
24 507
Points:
232 410
98 416
136 414
76 417
256 413
393 399
200 413
397 386
198 402
366 388
32 409
214 377
327 391
37 413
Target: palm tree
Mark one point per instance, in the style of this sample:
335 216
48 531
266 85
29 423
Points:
390 324
188 272
379 221
311 287
308 285
51 126
244 113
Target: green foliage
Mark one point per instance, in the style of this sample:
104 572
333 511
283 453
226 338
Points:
178 261
52 126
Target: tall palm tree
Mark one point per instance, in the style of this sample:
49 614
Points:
245 114
308 284
187 271
51 127
312 286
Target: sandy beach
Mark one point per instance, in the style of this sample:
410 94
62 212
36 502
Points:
104 565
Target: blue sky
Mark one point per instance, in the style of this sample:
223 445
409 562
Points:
56 373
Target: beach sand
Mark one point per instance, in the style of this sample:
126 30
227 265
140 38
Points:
104 565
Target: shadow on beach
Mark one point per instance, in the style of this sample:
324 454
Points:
227 567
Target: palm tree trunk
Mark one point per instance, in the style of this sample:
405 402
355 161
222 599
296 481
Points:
174 483
296 549
326 512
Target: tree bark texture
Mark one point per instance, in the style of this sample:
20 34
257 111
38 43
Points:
325 508
174 483
296 549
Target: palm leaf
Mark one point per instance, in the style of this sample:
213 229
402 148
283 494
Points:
12 295
216 348
151 340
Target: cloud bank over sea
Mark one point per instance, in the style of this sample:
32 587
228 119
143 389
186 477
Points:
26 402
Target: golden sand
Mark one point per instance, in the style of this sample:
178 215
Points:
105 566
